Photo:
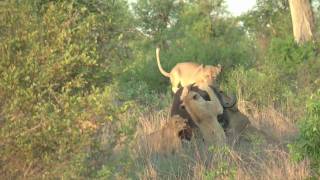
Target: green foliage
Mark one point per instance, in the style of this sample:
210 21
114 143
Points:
308 142
52 58
208 38
269 19
223 170
153 17
257 86
287 57
144 75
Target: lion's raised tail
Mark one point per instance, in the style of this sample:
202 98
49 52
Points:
159 65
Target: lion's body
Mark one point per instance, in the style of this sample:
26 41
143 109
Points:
166 140
187 73
204 113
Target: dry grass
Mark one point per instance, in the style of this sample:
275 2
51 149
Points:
257 161
253 158
269 119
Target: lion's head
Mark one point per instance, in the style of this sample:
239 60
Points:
177 124
210 74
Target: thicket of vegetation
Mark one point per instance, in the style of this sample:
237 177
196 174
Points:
70 70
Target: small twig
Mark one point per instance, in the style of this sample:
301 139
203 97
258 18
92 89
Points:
27 170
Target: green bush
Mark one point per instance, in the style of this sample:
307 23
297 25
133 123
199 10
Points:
308 142
262 88
52 69
287 57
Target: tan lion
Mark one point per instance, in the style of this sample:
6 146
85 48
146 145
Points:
204 114
167 140
187 73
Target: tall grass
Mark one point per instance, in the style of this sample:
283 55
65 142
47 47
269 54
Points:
259 160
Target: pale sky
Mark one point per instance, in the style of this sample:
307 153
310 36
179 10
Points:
235 7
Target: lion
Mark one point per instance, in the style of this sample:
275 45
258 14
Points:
207 93
187 73
167 140
204 114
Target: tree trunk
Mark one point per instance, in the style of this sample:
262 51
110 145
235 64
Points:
302 20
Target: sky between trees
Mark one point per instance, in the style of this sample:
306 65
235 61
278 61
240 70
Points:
235 7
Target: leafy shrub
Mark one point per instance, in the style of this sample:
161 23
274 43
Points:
143 72
52 62
207 41
287 57
308 142
257 86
